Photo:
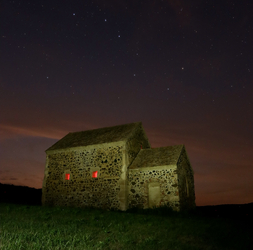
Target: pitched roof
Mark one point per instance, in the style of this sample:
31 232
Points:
152 157
96 136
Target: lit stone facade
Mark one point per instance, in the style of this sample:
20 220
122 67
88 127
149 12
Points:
161 176
115 168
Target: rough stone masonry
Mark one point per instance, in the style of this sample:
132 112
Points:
115 168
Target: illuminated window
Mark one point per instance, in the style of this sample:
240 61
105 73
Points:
67 176
95 174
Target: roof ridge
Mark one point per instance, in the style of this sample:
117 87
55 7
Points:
96 136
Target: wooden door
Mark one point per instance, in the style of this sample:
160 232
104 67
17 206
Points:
154 194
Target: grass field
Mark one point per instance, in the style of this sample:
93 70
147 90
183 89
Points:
36 227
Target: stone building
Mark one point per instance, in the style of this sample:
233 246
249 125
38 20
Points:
115 168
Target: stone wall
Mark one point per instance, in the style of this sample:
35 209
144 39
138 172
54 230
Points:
81 189
186 183
116 186
139 186
135 143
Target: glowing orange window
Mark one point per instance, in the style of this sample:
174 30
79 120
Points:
95 174
67 176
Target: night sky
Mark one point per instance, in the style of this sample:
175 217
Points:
183 68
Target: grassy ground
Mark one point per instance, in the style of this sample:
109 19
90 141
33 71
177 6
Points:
35 227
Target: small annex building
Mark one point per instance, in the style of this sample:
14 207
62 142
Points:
115 168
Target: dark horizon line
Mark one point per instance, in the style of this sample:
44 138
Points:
250 203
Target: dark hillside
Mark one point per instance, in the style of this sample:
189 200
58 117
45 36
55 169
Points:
20 194
231 211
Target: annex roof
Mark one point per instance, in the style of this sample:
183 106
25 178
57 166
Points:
152 157
96 136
